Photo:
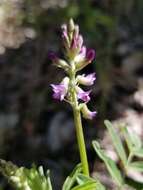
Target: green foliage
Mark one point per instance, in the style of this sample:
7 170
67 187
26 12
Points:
138 166
116 142
134 149
70 180
110 164
77 181
35 179
25 179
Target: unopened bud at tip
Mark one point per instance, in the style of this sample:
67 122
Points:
71 25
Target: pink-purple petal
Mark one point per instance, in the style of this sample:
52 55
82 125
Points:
59 91
84 95
90 78
87 80
92 114
90 56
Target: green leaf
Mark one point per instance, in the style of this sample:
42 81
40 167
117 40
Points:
138 166
127 138
116 141
138 152
132 139
70 180
135 140
36 178
99 186
82 179
110 164
86 186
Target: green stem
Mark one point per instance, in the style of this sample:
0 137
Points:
80 140
78 124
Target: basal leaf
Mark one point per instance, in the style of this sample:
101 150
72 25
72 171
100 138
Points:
70 180
110 164
135 140
116 141
138 152
132 139
82 179
128 138
138 166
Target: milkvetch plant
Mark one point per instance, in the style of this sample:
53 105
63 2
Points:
70 89
77 56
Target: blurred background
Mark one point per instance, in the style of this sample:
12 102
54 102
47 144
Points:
33 127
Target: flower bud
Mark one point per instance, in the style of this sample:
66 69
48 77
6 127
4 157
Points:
71 25
87 114
76 45
81 56
76 31
90 55
65 36
58 62
62 64
65 82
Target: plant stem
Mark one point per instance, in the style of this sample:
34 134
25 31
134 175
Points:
78 124
80 140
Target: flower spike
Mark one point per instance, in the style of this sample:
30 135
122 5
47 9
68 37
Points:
77 57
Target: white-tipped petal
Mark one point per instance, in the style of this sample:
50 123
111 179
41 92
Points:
87 80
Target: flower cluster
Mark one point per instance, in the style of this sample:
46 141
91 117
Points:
77 57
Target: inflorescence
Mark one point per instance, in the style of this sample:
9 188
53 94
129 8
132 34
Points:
77 56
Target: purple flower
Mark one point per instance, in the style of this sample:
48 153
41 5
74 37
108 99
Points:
90 55
84 58
60 90
86 80
82 95
87 113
